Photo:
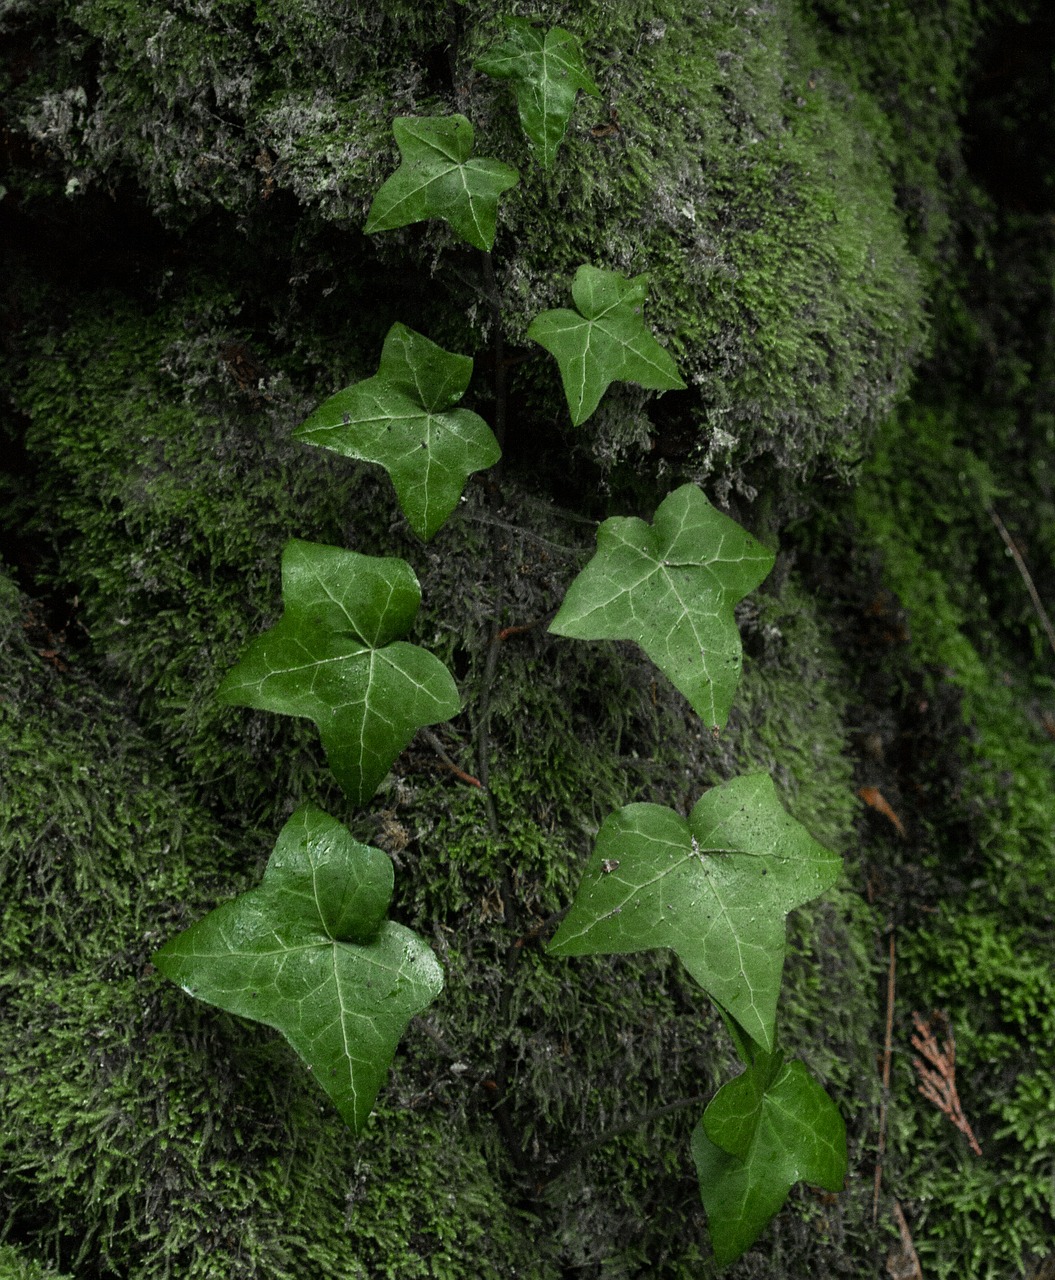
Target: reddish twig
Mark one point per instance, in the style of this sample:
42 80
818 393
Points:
937 1074
885 1096
903 1263
506 632
437 746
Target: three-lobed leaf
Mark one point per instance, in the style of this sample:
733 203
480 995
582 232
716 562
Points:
671 587
605 341
439 178
334 656
547 71
403 419
310 953
771 1127
715 889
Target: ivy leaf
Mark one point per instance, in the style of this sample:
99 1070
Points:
402 419
310 953
334 657
714 889
606 343
437 179
547 71
671 589
769 1128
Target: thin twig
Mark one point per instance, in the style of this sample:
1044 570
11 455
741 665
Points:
540 928
618 1130
885 1096
437 746
905 1267
506 632
1016 555
480 517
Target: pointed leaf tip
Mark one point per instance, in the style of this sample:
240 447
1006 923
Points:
671 588
403 419
438 179
605 341
771 1127
334 657
547 71
715 889
310 953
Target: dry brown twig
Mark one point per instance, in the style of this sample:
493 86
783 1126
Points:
937 1074
885 1097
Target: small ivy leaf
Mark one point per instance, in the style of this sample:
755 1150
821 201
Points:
334 657
769 1128
547 71
606 343
402 419
714 889
438 180
671 589
310 953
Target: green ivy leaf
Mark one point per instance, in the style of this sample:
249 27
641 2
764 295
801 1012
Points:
310 953
606 343
402 419
547 71
714 889
438 180
671 589
334 657
769 1128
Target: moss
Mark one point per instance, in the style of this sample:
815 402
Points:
989 848
750 180
17 1265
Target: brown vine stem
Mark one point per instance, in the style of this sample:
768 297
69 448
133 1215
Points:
1020 564
885 1096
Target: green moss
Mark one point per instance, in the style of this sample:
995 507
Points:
990 847
17 1265
749 179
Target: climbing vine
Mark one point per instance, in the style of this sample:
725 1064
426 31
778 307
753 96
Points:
310 951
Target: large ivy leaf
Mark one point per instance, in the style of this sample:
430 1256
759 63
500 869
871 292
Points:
547 71
402 418
606 343
310 953
334 657
671 589
769 1128
437 179
714 889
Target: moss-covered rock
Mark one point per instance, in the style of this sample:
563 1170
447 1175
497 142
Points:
729 158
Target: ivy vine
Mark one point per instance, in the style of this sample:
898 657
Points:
310 951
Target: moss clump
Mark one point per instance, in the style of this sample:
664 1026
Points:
17 1265
749 179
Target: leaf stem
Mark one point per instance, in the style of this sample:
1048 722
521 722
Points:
617 1131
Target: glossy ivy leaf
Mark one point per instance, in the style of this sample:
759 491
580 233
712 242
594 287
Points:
769 1128
547 71
714 889
310 953
437 179
403 419
605 341
334 656
671 587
